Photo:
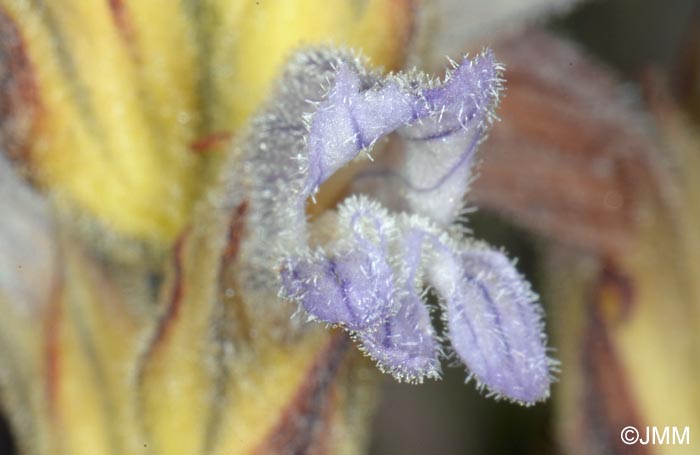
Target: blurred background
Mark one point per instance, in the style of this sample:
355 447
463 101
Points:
645 46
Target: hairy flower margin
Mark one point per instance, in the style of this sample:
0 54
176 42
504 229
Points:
367 266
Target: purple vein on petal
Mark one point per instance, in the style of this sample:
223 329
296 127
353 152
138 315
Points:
406 344
497 303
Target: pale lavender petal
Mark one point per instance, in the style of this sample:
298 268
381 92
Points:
406 345
495 325
351 119
439 153
353 283
354 289
432 171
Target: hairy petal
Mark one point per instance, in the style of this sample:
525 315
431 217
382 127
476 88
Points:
405 345
350 120
493 319
353 288
369 283
495 323
273 174
353 283
432 171
439 154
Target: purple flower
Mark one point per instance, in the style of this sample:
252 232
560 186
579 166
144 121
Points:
381 251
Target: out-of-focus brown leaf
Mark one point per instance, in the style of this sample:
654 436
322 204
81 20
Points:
566 157
19 101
